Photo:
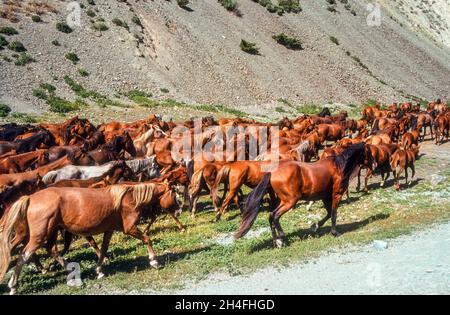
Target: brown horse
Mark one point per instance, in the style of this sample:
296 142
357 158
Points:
22 162
234 176
401 160
325 180
41 140
112 150
80 211
330 132
16 179
442 128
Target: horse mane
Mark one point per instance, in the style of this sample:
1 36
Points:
143 193
348 161
413 122
324 112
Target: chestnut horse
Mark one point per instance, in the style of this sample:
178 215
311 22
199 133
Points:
80 211
325 180
22 162
401 160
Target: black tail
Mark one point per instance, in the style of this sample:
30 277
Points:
190 169
252 206
375 127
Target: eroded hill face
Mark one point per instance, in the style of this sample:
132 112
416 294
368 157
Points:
193 53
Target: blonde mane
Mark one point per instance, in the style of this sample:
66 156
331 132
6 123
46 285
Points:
142 194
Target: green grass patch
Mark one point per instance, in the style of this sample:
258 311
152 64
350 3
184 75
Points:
72 57
83 72
309 109
36 18
17 47
334 40
24 59
24 117
120 23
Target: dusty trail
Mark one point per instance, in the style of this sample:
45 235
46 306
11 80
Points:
413 264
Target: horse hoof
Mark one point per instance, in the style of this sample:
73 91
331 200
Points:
382 184
409 183
183 230
336 233
13 291
279 243
100 275
314 227
155 264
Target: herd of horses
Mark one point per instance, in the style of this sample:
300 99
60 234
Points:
76 179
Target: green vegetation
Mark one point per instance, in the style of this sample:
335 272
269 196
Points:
135 19
101 27
4 110
72 57
90 13
24 117
48 87
40 93
3 42
120 23
309 109
288 42
64 27
91 2
59 105
83 72
24 59
164 90
16 46
8 30
36 18
249 47
280 109
182 3
334 40
230 5
283 6
56 43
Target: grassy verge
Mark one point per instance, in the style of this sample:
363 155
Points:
203 249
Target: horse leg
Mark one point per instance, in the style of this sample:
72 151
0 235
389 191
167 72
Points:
180 225
358 185
230 196
276 215
52 249
23 259
186 199
309 205
327 205
147 229
406 174
366 179
413 169
336 200
94 245
194 201
105 244
134 231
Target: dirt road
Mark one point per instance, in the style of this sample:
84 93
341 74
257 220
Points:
412 264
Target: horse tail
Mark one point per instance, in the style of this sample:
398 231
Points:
50 177
395 164
16 214
196 182
190 169
375 126
252 206
221 176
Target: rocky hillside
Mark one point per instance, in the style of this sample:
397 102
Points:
192 53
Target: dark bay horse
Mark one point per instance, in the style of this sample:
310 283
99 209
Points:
40 140
325 180
112 150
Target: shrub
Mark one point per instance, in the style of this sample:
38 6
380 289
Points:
4 110
138 96
36 18
101 27
91 2
16 46
164 90
40 93
288 42
135 19
72 57
332 8
64 27
230 5
280 109
76 87
182 3
90 13
48 87
334 40
120 23
24 59
8 30
3 42
83 72
249 47
56 43
290 6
